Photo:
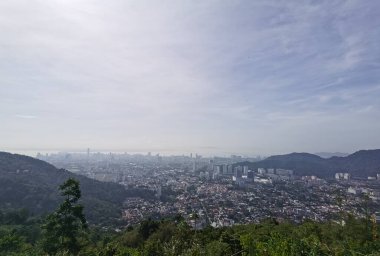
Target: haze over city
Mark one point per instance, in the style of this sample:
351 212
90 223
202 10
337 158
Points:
212 77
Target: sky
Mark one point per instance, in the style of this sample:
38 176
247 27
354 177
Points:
209 77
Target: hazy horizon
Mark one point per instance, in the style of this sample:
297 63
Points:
207 77
207 154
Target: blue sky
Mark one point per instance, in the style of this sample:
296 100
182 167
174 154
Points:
213 77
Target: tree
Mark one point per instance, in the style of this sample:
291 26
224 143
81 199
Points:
63 227
147 228
11 243
217 248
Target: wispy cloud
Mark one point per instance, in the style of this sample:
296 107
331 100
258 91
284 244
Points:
26 116
179 74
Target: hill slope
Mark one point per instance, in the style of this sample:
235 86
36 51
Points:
26 182
363 163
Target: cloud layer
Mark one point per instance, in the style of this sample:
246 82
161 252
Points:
251 77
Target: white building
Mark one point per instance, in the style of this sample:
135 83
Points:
262 180
354 191
261 171
342 176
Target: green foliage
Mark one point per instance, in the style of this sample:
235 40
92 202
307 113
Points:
217 248
173 238
64 226
147 227
11 243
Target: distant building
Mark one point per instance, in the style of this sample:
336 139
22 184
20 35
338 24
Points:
207 175
239 181
238 171
342 176
284 172
354 191
262 180
261 171
215 175
313 177
217 169
225 169
229 169
312 180
210 166
245 169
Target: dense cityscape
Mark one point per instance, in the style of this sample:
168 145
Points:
223 191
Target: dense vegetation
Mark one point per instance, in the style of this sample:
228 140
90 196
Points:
65 232
29 183
363 163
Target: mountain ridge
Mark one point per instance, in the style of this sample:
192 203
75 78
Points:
362 163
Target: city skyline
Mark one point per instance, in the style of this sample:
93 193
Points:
214 77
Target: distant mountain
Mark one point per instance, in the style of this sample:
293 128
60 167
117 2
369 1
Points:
330 154
363 163
26 182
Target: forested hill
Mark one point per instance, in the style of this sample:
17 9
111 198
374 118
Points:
26 182
363 163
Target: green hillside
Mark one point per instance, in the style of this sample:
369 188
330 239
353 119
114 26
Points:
29 183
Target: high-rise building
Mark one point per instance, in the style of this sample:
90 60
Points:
245 169
225 169
211 165
215 175
217 169
238 171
